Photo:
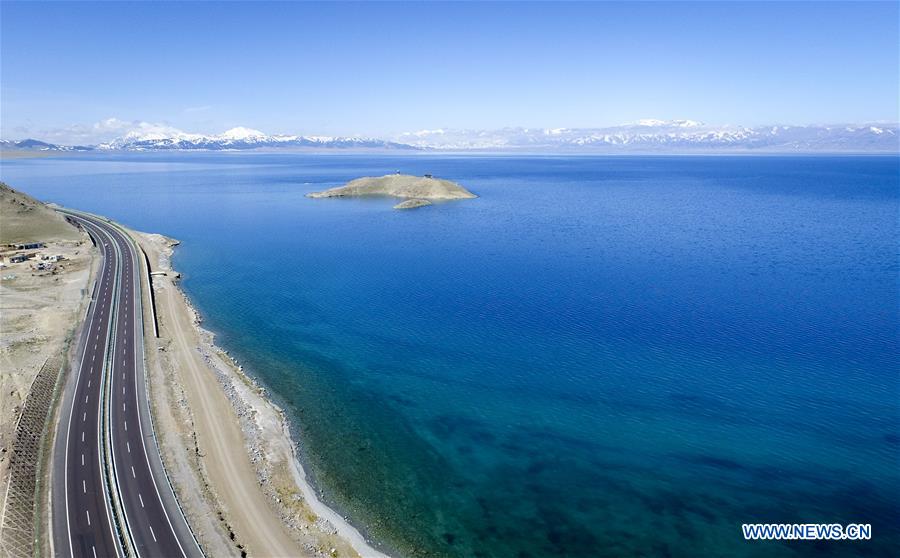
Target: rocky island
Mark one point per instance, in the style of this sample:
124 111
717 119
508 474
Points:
412 204
417 190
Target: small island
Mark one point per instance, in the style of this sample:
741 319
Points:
417 190
412 204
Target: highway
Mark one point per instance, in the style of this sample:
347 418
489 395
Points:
110 496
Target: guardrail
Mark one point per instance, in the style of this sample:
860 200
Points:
125 534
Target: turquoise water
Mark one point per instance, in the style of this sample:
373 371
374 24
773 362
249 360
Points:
598 357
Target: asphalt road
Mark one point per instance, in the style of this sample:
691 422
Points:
109 396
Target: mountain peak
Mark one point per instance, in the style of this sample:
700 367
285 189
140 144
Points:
241 133
655 123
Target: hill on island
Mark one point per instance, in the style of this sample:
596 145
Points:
399 186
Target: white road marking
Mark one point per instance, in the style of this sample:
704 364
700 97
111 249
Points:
151 532
89 383
128 444
82 436
84 416
132 472
141 498
123 407
88 514
85 398
94 550
126 425
83 487
82 460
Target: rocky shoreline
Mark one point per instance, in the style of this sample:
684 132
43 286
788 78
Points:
269 445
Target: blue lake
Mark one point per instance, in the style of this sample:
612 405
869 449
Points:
599 356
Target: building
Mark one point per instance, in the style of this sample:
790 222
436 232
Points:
18 258
29 246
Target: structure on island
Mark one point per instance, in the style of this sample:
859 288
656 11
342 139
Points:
416 191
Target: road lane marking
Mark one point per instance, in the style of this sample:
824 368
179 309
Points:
129 446
151 532
83 487
132 472
85 398
82 436
141 498
84 417
123 407
94 550
126 426
89 383
82 460
88 516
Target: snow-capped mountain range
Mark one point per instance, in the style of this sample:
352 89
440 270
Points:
236 139
665 136
649 135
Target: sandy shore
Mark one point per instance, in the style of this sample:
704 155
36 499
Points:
226 447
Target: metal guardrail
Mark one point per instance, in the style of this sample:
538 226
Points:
109 461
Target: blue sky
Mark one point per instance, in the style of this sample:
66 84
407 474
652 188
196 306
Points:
378 69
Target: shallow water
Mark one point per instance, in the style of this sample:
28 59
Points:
598 357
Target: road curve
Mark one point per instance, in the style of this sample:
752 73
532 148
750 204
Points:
110 494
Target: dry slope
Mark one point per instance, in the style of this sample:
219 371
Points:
25 219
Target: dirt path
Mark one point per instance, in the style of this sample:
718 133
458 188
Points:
221 442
